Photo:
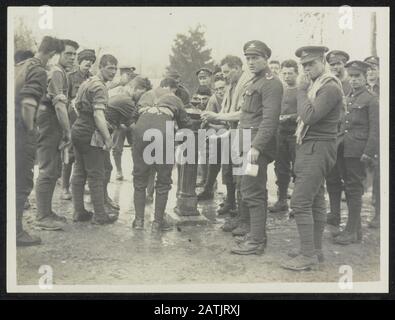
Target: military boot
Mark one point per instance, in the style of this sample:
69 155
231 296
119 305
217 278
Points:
205 195
333 217
82 216
280 206
160 222
230 224
302 263
249 246
242 229
318 252
23 239
106 218
139 204
138 224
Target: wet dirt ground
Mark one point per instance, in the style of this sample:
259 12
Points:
87 254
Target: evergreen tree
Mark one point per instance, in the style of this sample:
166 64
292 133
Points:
189 53
23 37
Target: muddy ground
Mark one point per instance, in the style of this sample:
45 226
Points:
87 254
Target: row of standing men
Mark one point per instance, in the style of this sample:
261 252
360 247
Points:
313 112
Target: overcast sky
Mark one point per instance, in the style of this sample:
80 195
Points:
144 36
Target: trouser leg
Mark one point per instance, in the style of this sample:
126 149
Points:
49 161
355 175
78 181
25 150
141 173
282 166
119 140
162 186
254 195
334 184
151 182
107 173
93 161
319 216
314 159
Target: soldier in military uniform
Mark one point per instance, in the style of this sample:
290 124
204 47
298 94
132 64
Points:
127 74
204 77
120 115
237 79
30 86
285 156
181 91
319 103
92 142
373 85
337 60
275 67
359 147
260 113
373 74
54 135
157 107
86 58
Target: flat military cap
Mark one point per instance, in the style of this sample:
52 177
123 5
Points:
310 53
373 60
205 71
358 66
258 48
335 56
172 74
87 54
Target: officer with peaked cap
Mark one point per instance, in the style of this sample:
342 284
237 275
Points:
319 101
260 113
373 75
337 60
204 76
360 145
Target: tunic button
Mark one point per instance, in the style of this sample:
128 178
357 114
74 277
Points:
346 121
345 131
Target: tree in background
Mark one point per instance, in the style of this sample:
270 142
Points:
189 53
23 37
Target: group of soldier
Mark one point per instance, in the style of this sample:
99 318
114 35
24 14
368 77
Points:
321 126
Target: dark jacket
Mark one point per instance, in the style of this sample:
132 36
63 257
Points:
261 110
30 81
324 114
361 124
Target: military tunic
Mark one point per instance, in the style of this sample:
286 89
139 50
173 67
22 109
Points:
260 113
285 155
316 156
361 136
89 160
156 108
49 138
30 82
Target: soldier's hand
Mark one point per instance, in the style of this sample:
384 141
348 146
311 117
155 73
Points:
367 160
208 115
304 82
108 144
253 155
66 140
